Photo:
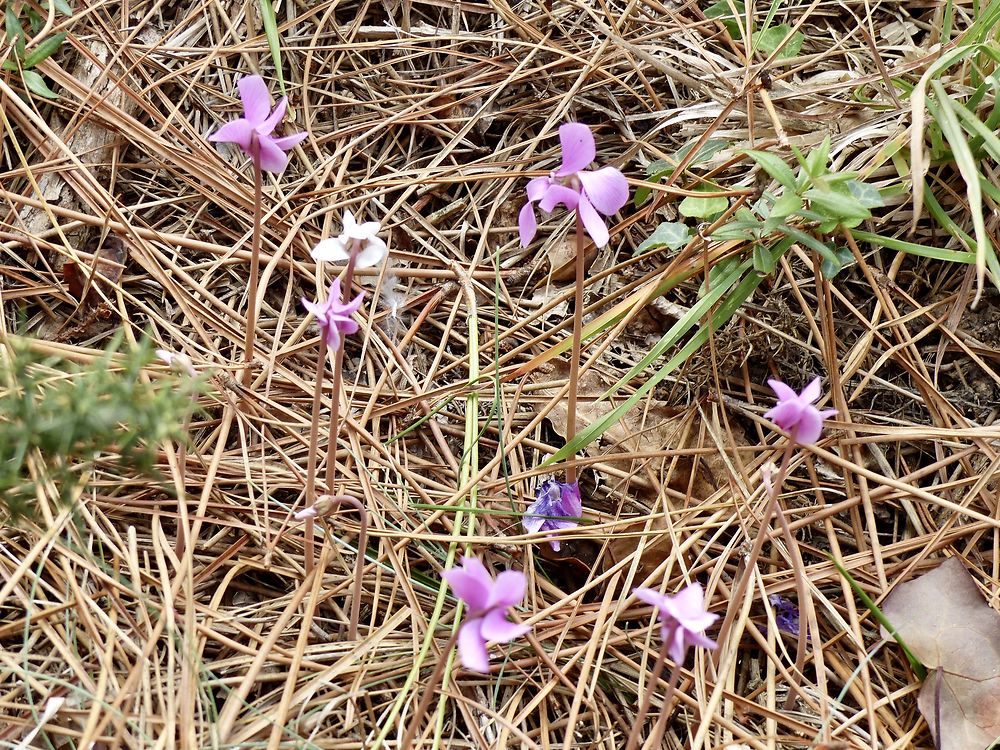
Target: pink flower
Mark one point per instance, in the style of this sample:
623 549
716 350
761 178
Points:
604 191
334 317
795 413
683 619
487 600
557 506
252 132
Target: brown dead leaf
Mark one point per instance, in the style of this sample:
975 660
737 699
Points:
562 258
948 626
94 283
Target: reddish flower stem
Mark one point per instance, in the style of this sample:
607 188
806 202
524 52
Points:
574 360
640 717
258 218
430 690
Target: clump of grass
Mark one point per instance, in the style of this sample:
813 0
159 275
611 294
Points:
60 415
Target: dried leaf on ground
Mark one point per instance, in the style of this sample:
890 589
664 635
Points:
945 622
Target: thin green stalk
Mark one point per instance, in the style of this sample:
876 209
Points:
574 359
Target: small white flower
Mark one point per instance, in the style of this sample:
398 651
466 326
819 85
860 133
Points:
177 361
371 249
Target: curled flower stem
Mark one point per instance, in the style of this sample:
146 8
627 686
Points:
430 690
640 717
258 219
574 360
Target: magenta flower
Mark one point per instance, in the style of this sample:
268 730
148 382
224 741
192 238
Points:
334 317
554 499
252 132
795 413
487 600
589 193
683 619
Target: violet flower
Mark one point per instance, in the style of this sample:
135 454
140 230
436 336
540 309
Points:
683 619
589 193
333 316
362 238
554 499
786 614
795 413
252 132
487 600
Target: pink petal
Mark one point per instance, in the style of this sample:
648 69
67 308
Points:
570 500
468 584
272 158
537 187
689 602
256 99
288 142
697 639
607 189
271 121
508 590
650 597
332 335
526 224
237 131
316 308
497 628
577 148
335 295
556 194
593 222
784 392
678 644
809 427
811 392
472 647
786 414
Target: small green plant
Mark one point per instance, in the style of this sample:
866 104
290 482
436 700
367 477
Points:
57 417
24 61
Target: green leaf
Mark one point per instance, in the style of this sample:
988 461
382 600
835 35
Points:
36 84
670 234
270 22
815 162
708 149
703 208
775 166
768 41
867 195
46 49
13 26
721 10
62 6
786 205
832 266
836 205
763 262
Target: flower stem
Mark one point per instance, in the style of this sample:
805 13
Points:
310 553
633 736
258 218
338 369
665 709
574 360
430 690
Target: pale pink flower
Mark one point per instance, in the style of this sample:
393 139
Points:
589 193
252 132
795 413
333 316
487 600
683 619
370 248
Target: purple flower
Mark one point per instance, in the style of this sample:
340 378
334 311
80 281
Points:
786 614
487 600
604 191
683 619
554 498
334 317
795 413
252 132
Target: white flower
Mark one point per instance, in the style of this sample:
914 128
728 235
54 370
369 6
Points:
180 362
371 250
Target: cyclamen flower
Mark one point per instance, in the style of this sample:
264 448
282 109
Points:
795 413
786 614
487 600
370 248
683 619
589 193
252 132
554 499
334 317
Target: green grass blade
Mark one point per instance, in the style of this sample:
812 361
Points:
270 22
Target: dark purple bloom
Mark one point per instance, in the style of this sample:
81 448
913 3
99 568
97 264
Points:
554 501
786 614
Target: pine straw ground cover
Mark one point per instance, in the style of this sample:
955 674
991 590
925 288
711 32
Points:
192 623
